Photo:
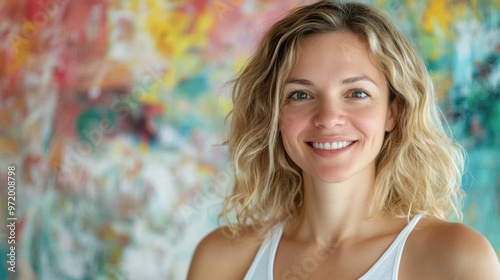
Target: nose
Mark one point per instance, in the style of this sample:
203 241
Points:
329 115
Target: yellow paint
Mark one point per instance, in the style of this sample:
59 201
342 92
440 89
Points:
175 33
143 146
152 95
225 105
464 11
239 63
438 15
135 5
205 169
182 66
21 52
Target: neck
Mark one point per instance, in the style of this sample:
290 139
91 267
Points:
333 212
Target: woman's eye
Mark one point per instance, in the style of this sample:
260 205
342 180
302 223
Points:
299 95
357 94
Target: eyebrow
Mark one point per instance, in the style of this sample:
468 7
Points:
303 82
346 81
353 80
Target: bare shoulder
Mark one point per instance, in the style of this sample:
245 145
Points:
218 256
453 251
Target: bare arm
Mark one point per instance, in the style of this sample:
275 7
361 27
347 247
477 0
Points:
465 254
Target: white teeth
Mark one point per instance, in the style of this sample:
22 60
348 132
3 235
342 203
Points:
332 145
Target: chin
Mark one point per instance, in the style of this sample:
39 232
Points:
333 177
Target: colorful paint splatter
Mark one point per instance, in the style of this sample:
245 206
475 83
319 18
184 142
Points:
113 112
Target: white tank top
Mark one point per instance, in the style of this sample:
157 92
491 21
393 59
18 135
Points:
386 267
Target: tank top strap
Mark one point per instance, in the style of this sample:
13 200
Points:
405 233
387 266
263 263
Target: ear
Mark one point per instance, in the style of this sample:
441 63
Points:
393 111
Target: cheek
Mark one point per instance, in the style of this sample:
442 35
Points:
285 127
285 122
372 122
290 127
292 123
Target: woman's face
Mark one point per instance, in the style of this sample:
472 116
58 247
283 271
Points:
336 109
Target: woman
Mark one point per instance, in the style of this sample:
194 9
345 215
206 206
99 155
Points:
342 167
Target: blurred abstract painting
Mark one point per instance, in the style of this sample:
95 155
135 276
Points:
112 113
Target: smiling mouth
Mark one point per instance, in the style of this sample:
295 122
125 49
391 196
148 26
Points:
331 145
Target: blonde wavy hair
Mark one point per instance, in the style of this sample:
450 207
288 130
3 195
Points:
419 167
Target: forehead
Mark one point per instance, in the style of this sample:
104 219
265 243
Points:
335 55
